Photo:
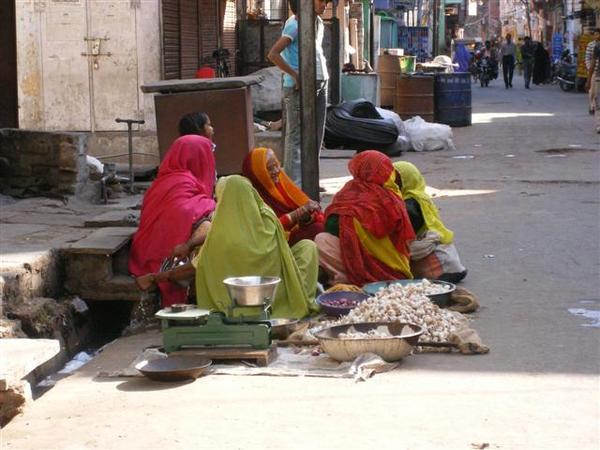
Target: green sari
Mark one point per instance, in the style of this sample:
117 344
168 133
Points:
245 239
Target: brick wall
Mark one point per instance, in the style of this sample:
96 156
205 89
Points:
35 162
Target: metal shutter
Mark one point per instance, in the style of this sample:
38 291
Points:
170 25
188 38
209 26
229 33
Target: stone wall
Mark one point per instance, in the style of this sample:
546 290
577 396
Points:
38 163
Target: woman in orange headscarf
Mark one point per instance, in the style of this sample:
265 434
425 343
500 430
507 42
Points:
368 227
300 216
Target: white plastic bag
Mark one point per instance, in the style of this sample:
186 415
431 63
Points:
425 136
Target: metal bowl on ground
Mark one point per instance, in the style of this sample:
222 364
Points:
333 304
174 368
282 328
402 338
442 299
252 290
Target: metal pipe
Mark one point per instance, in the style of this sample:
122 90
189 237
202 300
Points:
308 111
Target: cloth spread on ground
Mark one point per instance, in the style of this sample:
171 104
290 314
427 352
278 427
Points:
290 362
180 195
246 238
283 197
380 212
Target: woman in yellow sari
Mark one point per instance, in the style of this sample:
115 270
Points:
432 253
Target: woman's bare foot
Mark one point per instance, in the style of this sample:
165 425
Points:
145 282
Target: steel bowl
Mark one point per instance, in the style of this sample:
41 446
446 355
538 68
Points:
393 348
252 290
442 299
282 328
336 311
174 368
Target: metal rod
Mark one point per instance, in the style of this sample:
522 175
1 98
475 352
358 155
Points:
130 149
308 91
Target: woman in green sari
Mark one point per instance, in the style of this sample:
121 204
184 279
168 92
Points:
246 238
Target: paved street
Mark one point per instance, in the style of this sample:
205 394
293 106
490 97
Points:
522 194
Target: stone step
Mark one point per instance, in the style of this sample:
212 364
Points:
117 287
96 266
104 241
20 358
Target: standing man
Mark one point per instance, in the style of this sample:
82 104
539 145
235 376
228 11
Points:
284 54
527 54
509 53
589 50
594 72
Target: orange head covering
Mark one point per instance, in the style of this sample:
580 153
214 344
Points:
284 196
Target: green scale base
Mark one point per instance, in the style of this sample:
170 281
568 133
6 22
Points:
214 330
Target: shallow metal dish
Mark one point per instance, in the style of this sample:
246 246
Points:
442 299
336 311
251 291
174 368
391 348
282 328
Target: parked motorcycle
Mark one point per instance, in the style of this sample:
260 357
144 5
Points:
566 72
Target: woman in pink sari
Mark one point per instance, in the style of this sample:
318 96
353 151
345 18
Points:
179 199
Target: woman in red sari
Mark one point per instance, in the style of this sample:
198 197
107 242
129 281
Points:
368 227
300 216
180 198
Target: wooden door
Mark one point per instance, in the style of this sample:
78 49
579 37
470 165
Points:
114 74
90 64
65 72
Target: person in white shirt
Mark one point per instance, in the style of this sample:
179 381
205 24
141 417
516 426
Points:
509 55
589 50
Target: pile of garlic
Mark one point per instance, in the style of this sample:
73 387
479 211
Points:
406 304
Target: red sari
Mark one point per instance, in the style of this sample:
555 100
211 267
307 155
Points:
379 211
283 197
181 194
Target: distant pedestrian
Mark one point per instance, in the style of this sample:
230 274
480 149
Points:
527 55
541 64
594 77
509 53
589 51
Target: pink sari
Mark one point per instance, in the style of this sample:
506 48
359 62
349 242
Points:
180 196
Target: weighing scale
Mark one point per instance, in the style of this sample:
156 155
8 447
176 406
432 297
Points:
242 327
